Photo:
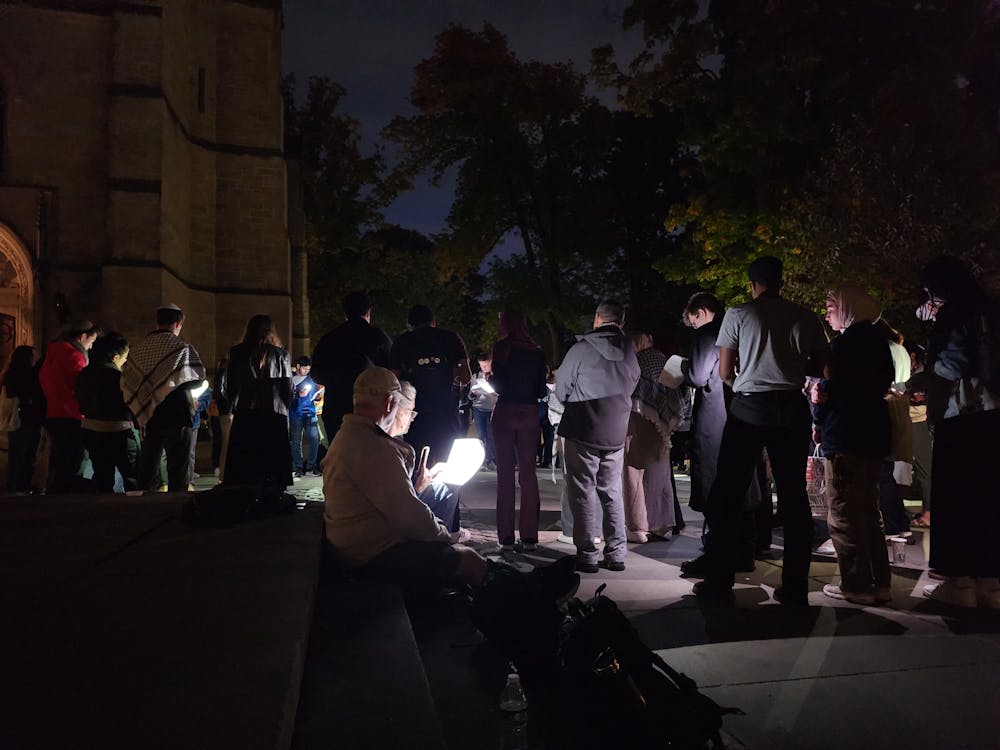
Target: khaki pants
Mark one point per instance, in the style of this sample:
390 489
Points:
856 524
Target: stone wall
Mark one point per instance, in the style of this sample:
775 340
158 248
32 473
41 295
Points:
155 129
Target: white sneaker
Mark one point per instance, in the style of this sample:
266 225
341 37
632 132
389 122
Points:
826 548
638 537
958 591
988 592
834 591
461 536
564 539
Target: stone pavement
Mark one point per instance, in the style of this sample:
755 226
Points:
101 624
912 674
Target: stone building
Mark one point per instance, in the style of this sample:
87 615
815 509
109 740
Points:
142 161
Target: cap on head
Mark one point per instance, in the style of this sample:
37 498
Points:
375 382
168 314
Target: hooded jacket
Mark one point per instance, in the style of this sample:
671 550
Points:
595 382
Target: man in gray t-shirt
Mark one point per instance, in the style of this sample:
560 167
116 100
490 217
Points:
767 347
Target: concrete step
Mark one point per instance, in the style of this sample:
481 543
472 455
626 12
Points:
122 628
364 684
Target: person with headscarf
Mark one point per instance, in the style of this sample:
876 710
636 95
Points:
258 384
851 420
962 409
519 378
656 412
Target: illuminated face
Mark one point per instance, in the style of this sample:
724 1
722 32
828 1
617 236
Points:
302 369
486 366
699 318
404 418
119 360
833 315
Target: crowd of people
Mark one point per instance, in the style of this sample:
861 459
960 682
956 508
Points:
769 387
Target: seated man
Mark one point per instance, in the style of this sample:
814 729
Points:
374 518
441 498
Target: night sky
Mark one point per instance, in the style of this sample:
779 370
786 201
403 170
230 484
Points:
371 47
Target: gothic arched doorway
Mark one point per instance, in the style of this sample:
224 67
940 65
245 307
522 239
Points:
17 284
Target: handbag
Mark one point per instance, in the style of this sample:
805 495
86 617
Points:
818 484
10 412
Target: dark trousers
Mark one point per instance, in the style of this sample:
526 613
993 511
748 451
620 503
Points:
179 444
856 525
67 453
23 448
890 501
516 432
443 501
780 422
109 451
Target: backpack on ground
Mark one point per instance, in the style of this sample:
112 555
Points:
592 679
606 664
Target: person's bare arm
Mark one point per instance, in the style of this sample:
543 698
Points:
727 365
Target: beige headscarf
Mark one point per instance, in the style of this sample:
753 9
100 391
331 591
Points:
855 305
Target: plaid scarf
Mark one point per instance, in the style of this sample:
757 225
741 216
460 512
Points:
655 402
156 366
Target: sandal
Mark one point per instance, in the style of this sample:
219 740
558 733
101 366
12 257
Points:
921 520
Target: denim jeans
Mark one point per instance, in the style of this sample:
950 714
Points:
296 429
485 433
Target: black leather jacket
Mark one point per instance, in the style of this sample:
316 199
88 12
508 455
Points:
258 384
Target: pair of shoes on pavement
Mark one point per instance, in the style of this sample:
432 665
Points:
881 595
613 565
964 591
698 568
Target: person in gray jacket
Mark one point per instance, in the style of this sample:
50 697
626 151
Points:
595 382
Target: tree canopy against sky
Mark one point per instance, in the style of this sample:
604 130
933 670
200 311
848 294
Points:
852 139
528 144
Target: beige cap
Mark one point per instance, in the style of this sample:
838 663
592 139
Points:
375 381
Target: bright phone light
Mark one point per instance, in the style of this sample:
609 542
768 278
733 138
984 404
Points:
463 462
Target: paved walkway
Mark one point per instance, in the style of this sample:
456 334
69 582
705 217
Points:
912 674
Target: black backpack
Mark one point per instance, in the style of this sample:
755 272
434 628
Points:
640 696
586 670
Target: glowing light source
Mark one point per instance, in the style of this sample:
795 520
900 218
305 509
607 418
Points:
463 462
196 392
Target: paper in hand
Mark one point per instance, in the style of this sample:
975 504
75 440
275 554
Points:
673 372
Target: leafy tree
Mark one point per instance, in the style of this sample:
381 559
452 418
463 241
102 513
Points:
526 141
853 139
344 194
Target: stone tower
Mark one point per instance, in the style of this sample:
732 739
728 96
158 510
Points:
142 161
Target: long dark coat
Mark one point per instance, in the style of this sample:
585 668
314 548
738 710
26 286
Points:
708 417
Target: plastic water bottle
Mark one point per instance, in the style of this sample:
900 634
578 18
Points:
514 704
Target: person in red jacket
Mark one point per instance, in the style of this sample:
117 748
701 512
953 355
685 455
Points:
64 359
